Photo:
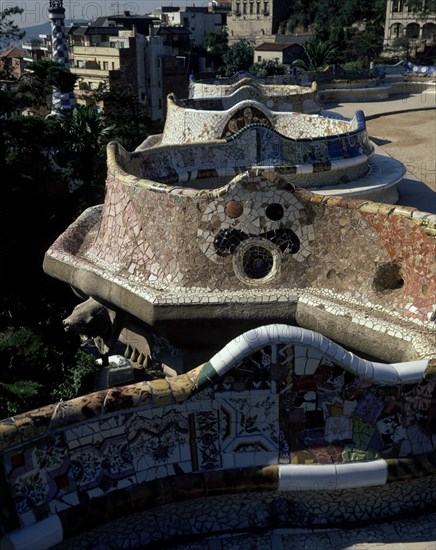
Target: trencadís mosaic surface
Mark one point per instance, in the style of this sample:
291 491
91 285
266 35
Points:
257 243
279 93
279 409
191 121
307 161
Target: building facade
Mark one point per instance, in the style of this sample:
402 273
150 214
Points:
403 22
255 19
11 62
101 56
198 20
167 68
282 53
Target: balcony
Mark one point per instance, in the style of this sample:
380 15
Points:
32 45
90 73
96 50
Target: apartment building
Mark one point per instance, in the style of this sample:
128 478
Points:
37 49
140 51
167 67
100 55
198 20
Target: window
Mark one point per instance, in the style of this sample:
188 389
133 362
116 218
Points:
80 64
244 8
251 8
258 8
259 58
105 65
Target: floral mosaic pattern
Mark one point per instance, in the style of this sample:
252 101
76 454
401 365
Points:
284 403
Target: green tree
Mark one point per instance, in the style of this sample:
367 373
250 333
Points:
334 20
35 370
317 56
238 57
216 46
9 31
266 68
34 88
128 120
303 15
32 91
85 136
363 46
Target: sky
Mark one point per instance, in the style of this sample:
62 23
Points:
35 13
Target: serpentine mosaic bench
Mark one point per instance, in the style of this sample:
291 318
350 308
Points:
186 124
319 158
279 410
278 93
253 251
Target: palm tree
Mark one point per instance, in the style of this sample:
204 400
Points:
317 56
85 138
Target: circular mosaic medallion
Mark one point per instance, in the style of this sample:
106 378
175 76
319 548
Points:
275 211
234 209
257 261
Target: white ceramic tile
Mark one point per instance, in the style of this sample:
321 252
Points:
361 474
313 477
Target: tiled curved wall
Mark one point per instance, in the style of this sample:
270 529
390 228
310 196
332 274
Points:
154 235
277 98
278 94
278 409
184 124
304 161
331 232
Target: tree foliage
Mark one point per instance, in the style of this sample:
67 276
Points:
239 57
34 370
124 114
302 16
317 56
333 17
9 31
267 68
34 88
216 46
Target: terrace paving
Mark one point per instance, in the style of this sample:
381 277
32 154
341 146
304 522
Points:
405 128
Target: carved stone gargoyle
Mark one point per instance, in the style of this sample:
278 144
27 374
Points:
94 320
